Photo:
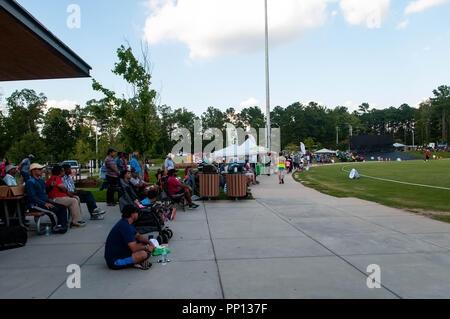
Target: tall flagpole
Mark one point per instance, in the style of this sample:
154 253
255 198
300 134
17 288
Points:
268 125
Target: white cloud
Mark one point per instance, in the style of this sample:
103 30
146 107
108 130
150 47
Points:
365 12
420 5
334 13
212 28
427 49
63 104
402 25
249 103
215 27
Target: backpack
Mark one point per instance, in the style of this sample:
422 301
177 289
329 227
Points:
13 237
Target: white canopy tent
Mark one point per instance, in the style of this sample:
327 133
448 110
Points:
325 151
398 145
230 151
248 148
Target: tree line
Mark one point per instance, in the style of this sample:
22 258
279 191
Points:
137 123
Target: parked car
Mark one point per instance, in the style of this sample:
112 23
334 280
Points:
73 164
51 165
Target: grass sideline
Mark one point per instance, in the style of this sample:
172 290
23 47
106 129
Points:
332 180
422 155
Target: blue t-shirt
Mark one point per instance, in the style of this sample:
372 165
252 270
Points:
117 242
120 165
168 164
135 164
25 165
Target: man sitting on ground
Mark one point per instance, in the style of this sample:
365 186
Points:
85 197
125 247
175 187
38 199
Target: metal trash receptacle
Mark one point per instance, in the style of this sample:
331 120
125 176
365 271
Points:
209 185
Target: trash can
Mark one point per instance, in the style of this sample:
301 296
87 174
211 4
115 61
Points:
258 169
209 185
236 185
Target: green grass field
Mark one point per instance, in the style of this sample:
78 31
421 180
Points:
333 180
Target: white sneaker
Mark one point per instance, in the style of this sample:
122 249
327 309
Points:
99 211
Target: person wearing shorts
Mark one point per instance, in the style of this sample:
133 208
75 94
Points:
125 247
281 168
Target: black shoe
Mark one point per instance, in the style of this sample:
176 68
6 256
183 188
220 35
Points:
143 265
59 229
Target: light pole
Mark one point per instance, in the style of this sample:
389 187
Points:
96 149
337 136
268 124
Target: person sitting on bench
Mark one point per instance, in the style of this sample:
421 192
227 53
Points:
38 199
85 197
175 187
10 177
125 247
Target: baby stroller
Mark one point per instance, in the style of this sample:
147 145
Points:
149 219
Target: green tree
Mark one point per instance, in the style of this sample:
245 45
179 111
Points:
213 118
309 143
139 128
58 134
364 108
30 143
25 113
83 152
441 101
253 117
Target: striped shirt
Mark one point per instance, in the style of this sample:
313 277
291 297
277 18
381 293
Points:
68 183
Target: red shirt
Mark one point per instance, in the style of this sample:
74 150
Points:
173 185
55 192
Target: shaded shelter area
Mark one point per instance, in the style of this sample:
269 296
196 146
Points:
29 51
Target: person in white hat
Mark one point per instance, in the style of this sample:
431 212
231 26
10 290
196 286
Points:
38 198
168 163
10 177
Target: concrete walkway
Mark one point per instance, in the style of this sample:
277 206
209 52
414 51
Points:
291 242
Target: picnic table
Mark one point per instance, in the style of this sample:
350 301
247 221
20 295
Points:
17 200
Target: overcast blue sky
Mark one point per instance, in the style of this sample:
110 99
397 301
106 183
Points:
211 52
